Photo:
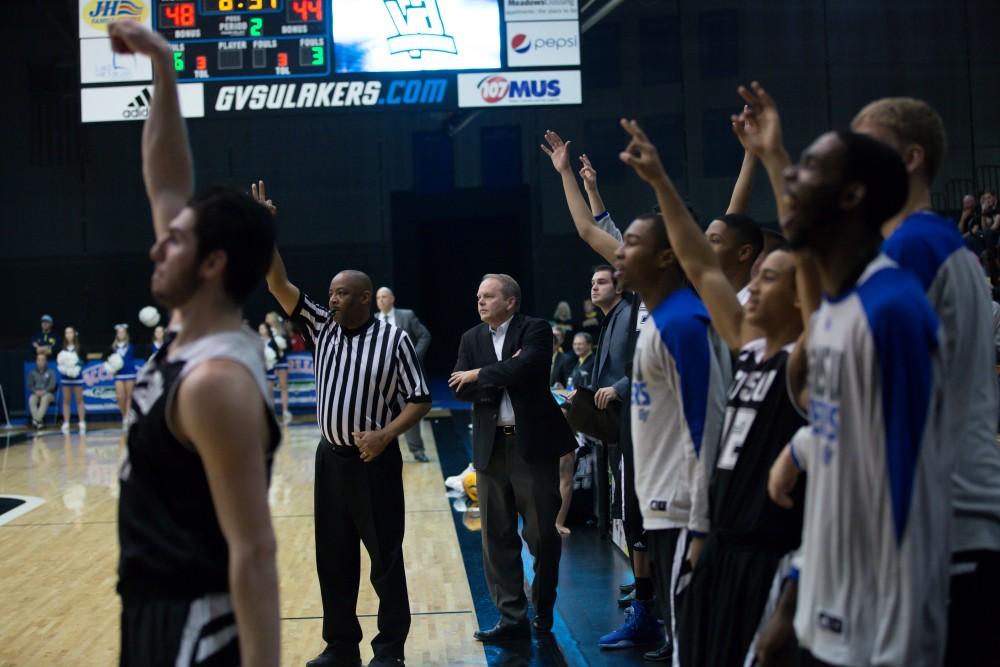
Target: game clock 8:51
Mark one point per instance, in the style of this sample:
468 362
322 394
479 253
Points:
242 5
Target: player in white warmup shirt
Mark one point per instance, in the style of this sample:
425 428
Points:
930 246
875 547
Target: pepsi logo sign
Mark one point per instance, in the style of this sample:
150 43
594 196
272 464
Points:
494 88
520 43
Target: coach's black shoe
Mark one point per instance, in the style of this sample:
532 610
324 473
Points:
330 659
542 624
386 661
625 589
420 456
663 654
504 633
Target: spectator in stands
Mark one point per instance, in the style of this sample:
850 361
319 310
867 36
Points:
969 214
562 362
41 384
45 341
592 317
563 318
583 366
989 216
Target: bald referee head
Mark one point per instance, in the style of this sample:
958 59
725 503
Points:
350 298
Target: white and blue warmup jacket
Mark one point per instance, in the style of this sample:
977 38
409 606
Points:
875 546
929 246
678 403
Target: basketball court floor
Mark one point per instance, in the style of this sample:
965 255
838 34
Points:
57 561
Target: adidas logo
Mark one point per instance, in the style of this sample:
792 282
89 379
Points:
138 107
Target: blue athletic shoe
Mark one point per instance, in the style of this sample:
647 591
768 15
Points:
640 628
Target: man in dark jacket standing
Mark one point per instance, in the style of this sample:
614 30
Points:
518 436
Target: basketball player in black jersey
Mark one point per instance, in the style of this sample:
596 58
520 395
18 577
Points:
197 573
751 538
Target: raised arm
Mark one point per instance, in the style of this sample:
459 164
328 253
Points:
688 242
167 167
224 417
600 241
759 130
740 198
808 289
589 176
278 284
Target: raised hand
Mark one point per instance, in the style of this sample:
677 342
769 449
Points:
641 154
588 174
259 193
745 126
759 126
557 150
130 37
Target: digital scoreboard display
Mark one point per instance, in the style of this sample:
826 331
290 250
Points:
239 57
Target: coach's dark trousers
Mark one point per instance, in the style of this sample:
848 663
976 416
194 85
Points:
360 502
508 487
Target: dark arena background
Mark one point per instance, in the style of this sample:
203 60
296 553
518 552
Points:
425 181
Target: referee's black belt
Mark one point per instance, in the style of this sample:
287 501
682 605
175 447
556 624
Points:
506 430
341 450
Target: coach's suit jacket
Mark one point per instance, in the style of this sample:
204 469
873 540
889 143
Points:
408 321
542 430
613 349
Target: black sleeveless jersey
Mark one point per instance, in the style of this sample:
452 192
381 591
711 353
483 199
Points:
172 546
761 418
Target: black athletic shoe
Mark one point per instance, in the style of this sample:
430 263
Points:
330 659
625 589
626 602
386 661
663 654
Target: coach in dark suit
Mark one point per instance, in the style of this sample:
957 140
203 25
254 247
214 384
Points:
518 436
408 321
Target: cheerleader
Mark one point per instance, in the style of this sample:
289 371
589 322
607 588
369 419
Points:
270 356
121 362
159 338
279 338
69 362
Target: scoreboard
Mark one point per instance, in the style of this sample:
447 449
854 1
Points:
252 57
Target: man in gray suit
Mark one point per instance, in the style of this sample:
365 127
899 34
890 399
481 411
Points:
421 337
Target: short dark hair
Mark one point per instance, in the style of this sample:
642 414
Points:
584 335
879 168
230 220
746 231
610 269
660 239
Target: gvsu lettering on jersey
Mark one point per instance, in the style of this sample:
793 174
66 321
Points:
495 88
824 419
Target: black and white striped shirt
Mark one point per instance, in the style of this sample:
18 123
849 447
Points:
364 377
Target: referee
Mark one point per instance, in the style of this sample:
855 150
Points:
369 391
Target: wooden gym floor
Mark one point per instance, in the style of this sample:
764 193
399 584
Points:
57 600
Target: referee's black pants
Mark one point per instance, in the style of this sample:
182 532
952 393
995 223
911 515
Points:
510 486
361 502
